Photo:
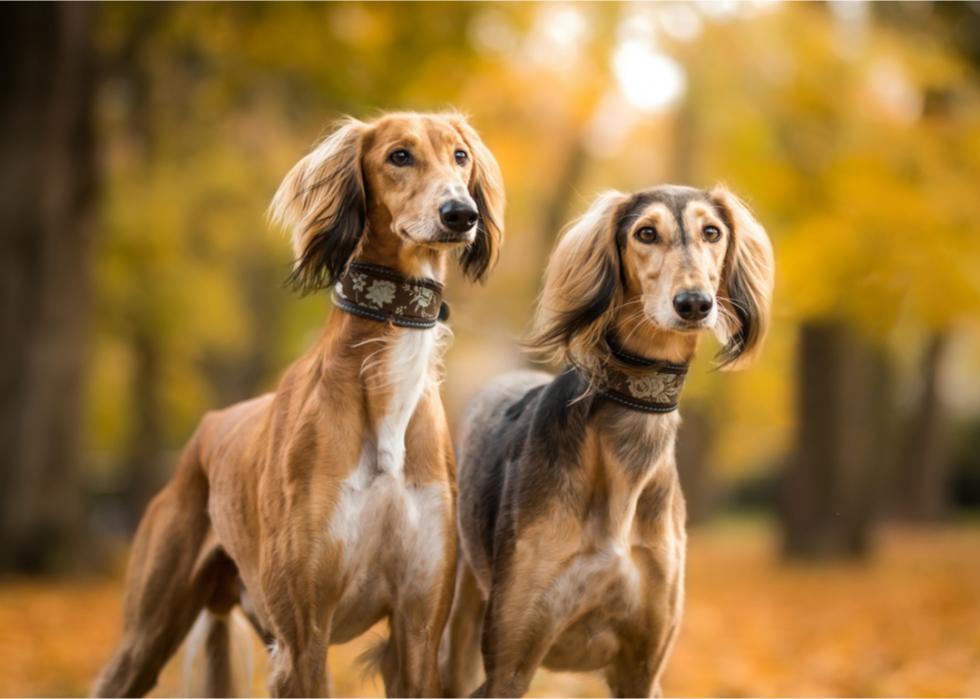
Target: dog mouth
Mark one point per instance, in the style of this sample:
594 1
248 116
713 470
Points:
673 323
443 238
680 325
452 238
691 326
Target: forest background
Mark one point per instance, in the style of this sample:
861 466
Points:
833 488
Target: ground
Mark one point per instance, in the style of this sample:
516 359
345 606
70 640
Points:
904 623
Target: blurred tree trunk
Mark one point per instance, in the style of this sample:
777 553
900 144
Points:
245 375
695 443
47 185
828 496
961 20
883 424
143 466
144 472
925 467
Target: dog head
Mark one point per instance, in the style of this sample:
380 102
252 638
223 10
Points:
674 260
414 184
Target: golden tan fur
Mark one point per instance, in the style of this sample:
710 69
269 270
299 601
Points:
581 260
328 505
570 514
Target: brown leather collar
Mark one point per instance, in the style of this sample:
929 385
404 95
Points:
382 294
640 383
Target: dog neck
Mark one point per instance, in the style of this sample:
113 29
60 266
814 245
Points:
647 366
383 295
393 280
641 383
381 349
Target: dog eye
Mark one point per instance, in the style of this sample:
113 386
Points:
400 157
647 234
712 234
461 157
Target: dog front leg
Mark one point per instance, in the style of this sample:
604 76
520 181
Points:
517 634
644 647
462 662
298 670
417 625
635 670
300 617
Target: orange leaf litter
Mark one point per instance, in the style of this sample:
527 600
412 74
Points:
904 623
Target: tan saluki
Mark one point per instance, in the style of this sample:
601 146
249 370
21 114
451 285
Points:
328 505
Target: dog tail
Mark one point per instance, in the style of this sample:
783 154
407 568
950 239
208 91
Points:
371 660
227 666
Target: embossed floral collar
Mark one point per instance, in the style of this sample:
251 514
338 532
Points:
382 294
649 385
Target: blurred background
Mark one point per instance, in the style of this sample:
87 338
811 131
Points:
833 488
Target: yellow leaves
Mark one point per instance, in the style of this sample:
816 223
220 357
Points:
358 26
109 374
177 234
860 152
892 240
168 231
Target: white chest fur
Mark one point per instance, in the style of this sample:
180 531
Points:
380 520
406 371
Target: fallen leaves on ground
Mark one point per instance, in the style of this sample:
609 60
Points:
904 623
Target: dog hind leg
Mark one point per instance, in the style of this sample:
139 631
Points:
224 643
165 588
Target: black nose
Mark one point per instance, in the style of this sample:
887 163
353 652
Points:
693 305
457 215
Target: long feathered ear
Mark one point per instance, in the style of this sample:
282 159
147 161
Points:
581 285
322 203
487 190
747 282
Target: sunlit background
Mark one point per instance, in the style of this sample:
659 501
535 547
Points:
833 488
